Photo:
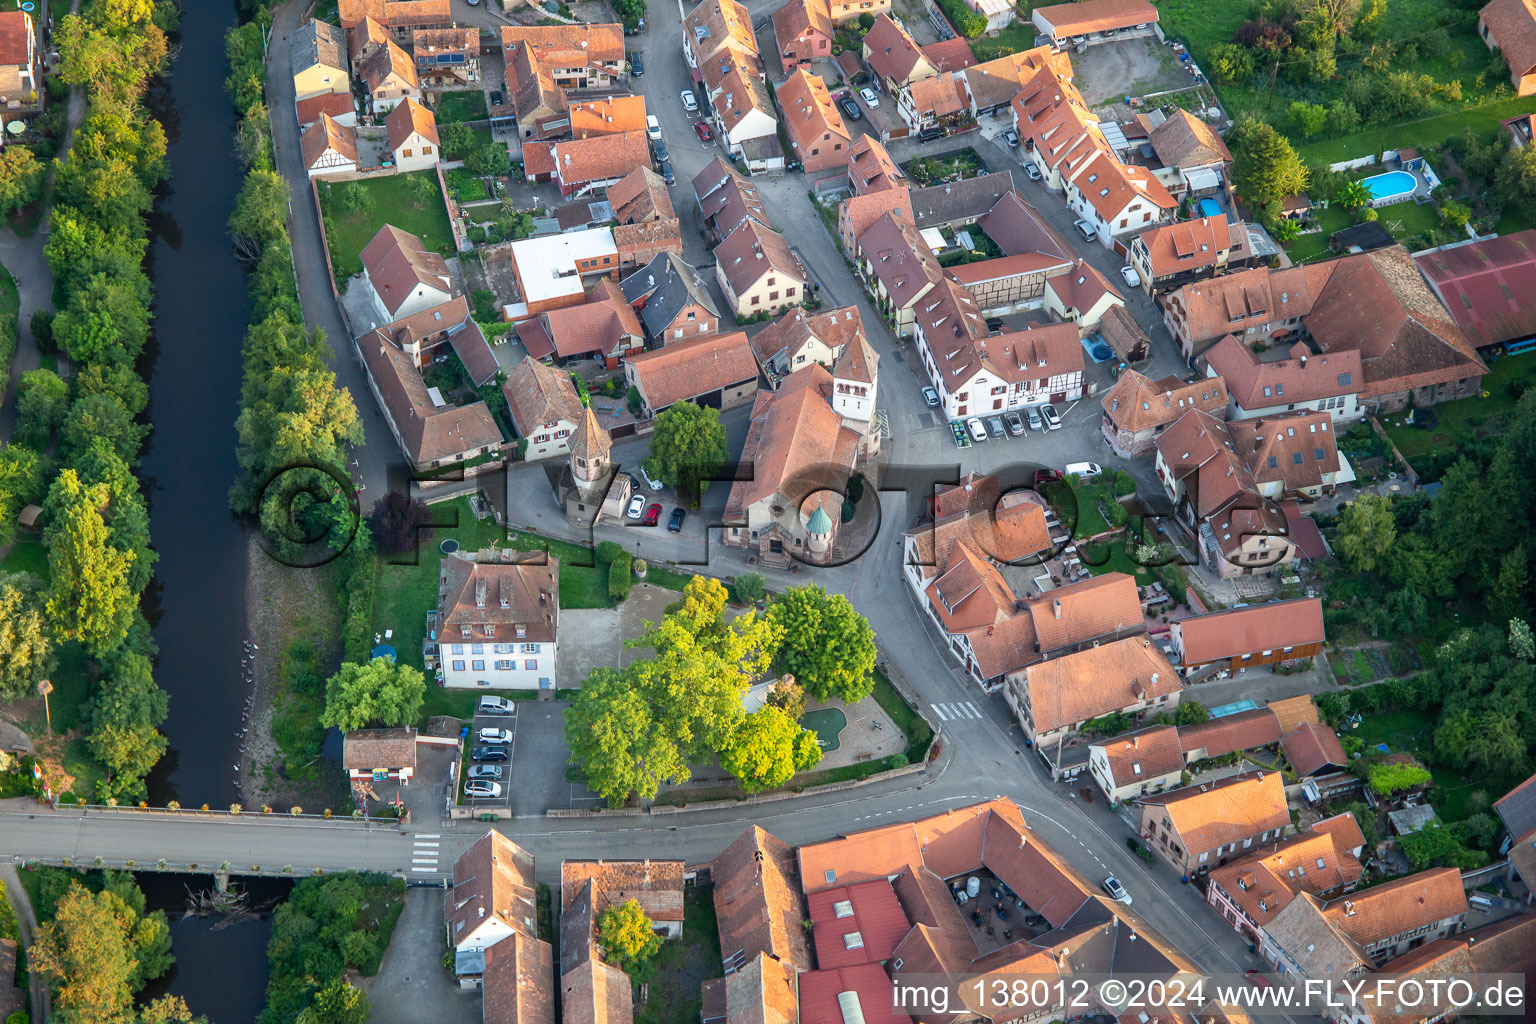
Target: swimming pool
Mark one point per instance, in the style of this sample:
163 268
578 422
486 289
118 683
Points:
1210 208
1391 187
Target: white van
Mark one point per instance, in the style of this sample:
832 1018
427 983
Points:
652 127
1084 470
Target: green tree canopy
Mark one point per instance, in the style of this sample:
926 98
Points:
21 481
42 400
767 749
91 600
21 178
98 951
102 417
1387 779
340 1002
1265 168
1191 712
1366 531
124 719
688 447
261 213
26 648
380 693
627 938
828 646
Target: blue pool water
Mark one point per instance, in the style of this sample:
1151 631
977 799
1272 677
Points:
1210 208
1390 185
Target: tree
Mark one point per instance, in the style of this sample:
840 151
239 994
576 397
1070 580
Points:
41 403
828 646
767 749
1286 231
1308 117
1434 845
629 11
1264 167
750 587
1506 597
21 481
1366 531
112 379
688 447
614 735
1191 712
1454 214
102 417
1343 118
261 213
169 1010
628 939
456 140
97 951
380 693
340 1002
26 649
105 320
21 178
1352 195
490 159
123 722
789 698
91 600
1230 63
397 521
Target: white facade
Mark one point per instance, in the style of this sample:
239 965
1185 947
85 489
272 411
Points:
852 399
985 393
497 666
416 153
422 297
489 931
332 162
1137 215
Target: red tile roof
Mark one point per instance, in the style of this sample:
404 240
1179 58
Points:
15 26
793 433
686 369
753 251
1208 815
1142 755
522 598
1136 402
1304 377
1262 627
1311 748
335 104
757 901
892 53
326 136
567 46
579 161
407 117
823 993
1489 286
428 432
809 113
1067 691
519 982
1513 25
950 54
1298 450
1399 906
1228 734
857 924
1183 140
608 116
870 167
1187 245
396 262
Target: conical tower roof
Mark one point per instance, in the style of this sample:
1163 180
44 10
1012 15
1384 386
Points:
590 441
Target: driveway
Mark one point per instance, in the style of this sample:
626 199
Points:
412 985
538 781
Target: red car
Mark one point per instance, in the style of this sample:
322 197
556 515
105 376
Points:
652 514
702 127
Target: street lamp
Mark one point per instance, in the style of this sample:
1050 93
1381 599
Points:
44 687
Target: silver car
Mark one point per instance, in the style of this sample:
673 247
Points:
1116 890
485 771
1033 415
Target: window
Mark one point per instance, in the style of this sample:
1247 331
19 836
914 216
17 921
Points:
677 333
426 150
789 292
1297 458
530 664
477 649
772 281
458 666
1279 389
530 648
1274 463
504 666
478 665
842 908
405 152
773 296
756 299
853 940
458 648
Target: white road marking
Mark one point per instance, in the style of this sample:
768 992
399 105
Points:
425 871
429 835
421 845
968 706
938 709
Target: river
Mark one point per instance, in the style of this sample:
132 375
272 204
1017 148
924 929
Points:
196 604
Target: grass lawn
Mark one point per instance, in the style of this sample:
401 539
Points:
1315 245
1425 134
349 233
1405 730
1015 38
27 555
672 995
1110 556
465 105
1461 420
1081 506
918 732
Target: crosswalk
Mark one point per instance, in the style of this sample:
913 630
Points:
957 711
424 852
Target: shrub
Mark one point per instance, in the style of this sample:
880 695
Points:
1387 779
619 580
966 21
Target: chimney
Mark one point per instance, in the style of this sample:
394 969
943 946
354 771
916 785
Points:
1303 362
1056 606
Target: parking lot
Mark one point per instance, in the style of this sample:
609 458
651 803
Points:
497 773
532 779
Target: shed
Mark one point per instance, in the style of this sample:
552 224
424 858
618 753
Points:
379 755
1411 819
28 516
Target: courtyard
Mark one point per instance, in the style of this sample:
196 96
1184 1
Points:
351 223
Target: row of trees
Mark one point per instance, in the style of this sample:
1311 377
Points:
632 729
77 444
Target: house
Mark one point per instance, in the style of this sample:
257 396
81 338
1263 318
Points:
1521 129
412 136
940 101
1509 26
716 371
573 56
672 299
1389 919
715 26
758 272
421 334
1313 748
612 115
447 57
1137 763
318 52
540 106
1175 254
758 905
583 165
879 187
328 148
339 106
430 432
726 199
1322 861
403 276
978 375
550 269
639 242
993 84
544 406
1517 810
518 982
1138 409
893 57
856 924
1094 21
588 888
1125 336
799 338
389 75
1239 638
1202 827
900 271
1294 454
604 328
1082 295
648 226
1058 131
492 897
802 32
741 108
1488 285
1054 698
847 10
1435 967
999 13
402 17
950 54
1229 734
1117 199
1328 383
21 68
1190 147
498 621
804 442
379 755
1237 530
364 37
814 125
594 992
1256 305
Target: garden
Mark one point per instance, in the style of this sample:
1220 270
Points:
671 989
459 106
354 211
1467 422
935 170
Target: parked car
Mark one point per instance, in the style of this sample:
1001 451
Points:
675 524
488 754
1116 890
1129 275
1012 138
1085 470
931 397
1052 419
931 133
637 65
1086 229
995 425
850 108
653 514
1046 476
650 482
690 102
495 97
659 151
485 771
977 430
870 97
1033 415
1031 172
496 706
652 128
667 174
994 324
701 129
480 787
636 507
492 734
1015 425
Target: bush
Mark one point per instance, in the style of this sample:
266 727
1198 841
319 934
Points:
966 21
619 579
866 22
1124 485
